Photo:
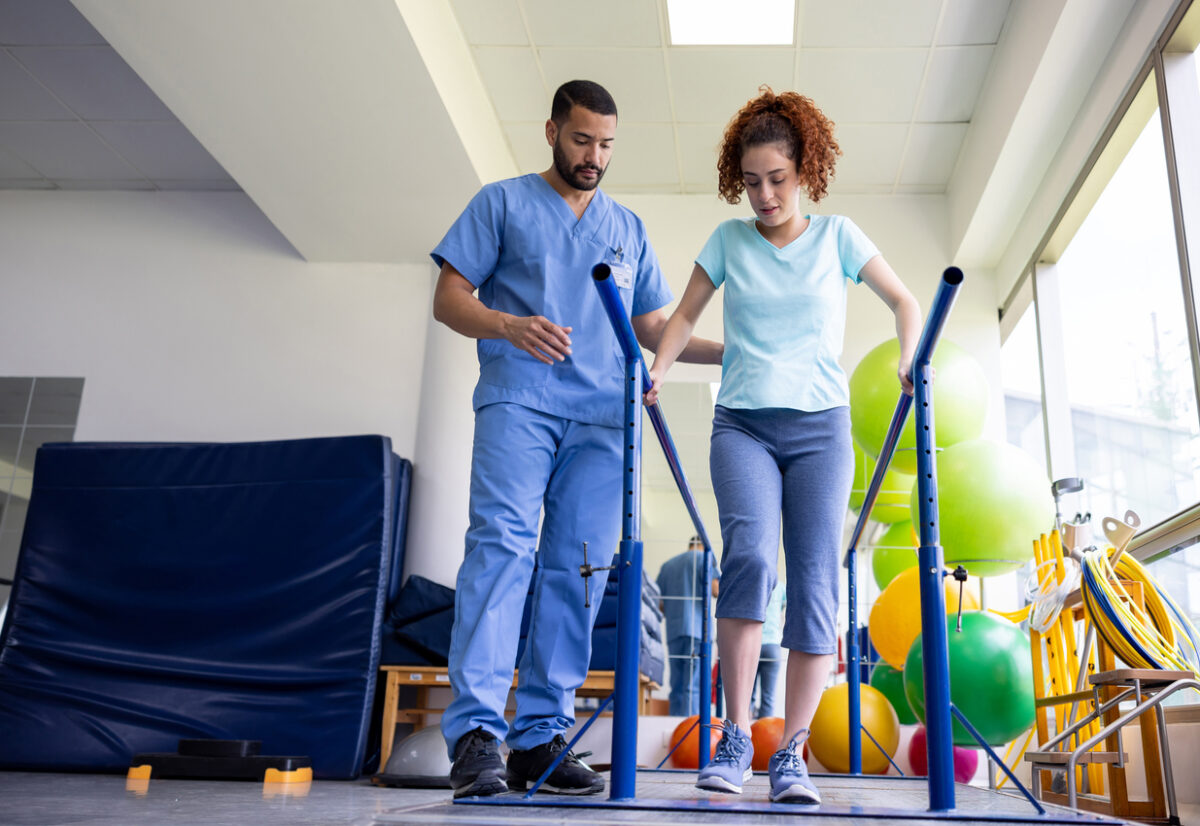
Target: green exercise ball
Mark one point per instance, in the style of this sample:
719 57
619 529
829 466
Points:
960 395
890 683
891 504
894 552
991 677
994 502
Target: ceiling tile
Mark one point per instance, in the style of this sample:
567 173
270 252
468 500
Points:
710 85
13 167
63 150
513 82
613 23
698 144
972 22
44 22
931 154
105 184
863 85
24 98
226 185
528 142
865 23
636 78
25 183
870 155
161 150
94 82
491 22
952 87
644 156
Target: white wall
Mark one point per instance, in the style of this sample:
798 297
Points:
191 318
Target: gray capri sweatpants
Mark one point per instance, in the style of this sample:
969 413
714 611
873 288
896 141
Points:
772 461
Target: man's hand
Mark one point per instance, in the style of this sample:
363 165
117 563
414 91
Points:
539 337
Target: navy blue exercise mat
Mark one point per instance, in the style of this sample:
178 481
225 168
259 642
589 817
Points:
168 591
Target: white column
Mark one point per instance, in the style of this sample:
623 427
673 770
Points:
1056 407
442 458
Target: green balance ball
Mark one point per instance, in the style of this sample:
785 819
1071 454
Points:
991 677
890 683
891 504
994 502
895 552
960 394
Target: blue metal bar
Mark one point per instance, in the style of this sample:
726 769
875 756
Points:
629 595
853 675
611 299
867 732
570 747
962 718
936 660
675 746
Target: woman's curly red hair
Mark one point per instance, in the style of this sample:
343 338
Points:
789 119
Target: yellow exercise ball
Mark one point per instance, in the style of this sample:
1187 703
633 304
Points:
896 616
829 737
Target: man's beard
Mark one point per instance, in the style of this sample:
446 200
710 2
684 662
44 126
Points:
571 175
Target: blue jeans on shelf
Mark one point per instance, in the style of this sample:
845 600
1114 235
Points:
685 675
766 682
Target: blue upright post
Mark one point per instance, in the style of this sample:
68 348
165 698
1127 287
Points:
705 706
935 659
933 603
625 717
852 674
629 595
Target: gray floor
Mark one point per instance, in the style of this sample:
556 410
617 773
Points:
35 799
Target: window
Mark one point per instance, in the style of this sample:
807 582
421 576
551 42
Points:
33 411
1126 354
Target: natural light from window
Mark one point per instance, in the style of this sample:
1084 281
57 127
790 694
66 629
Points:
1129 372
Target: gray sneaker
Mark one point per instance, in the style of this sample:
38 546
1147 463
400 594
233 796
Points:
790 782
730 766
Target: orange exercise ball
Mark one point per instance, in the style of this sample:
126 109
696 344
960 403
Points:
896 616
766 734
830 738
687 756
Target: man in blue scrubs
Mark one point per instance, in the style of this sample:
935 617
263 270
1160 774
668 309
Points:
548 439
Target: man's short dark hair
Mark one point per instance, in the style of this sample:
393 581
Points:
585 93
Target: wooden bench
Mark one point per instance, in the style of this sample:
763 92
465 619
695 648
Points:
424 677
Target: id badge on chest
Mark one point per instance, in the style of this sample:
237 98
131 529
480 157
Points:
622 273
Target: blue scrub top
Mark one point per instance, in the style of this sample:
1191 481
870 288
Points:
520 244
681 582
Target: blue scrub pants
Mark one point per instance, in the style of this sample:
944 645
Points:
526 462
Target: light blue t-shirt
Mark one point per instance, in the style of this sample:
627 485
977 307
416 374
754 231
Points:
785 311
521 245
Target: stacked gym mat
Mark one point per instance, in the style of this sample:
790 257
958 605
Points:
228 591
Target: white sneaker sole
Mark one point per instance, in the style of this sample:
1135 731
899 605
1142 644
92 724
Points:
797 794
716 783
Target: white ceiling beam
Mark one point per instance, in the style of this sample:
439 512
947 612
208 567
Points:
325 114
1044 66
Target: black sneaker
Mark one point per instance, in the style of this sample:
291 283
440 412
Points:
571 776
478 769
